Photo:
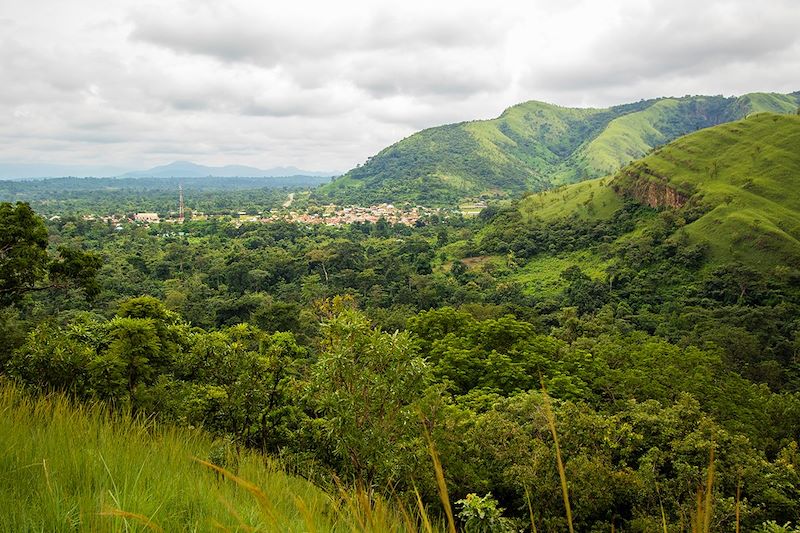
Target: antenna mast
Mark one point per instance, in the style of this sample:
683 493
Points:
180 202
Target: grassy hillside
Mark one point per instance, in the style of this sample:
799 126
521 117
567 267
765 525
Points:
532 146
741 180
746 177
590 199
632 136
77 468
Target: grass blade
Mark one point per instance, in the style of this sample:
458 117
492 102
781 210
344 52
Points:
530 509
441 483
258 494
661 506
426 523
142 519
551 421
308 518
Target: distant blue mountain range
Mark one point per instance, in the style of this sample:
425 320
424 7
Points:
178 169
187 169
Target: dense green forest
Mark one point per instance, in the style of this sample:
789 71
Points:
534 145
121 196
601 331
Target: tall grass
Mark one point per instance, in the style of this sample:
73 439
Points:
67 467
530 510
551 422
705 503
73 467
440 483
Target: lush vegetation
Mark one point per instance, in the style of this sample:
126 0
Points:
125 196
578 346
733 182
72 467
532 146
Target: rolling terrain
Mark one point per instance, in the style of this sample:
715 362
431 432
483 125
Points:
658 304
735 183
533 146
743 176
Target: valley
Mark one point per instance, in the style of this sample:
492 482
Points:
400 267
363 368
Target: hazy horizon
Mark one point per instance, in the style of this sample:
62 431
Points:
11 171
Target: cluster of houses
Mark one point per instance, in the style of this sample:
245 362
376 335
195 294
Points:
331 215
336 216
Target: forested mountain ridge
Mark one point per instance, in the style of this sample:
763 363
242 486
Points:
533 145
733 185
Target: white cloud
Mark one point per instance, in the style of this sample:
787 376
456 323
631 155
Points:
324 85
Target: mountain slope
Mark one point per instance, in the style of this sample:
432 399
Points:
744 175
737 183
534 145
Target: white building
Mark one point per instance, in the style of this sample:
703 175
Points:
146 217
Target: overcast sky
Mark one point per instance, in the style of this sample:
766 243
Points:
323 85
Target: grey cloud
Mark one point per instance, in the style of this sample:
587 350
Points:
295 101
189 104
271 110
385 53
462 29
268 40
95 123
49 74
198 96
224 41
441 74
682 42
267 84
260 98
95 137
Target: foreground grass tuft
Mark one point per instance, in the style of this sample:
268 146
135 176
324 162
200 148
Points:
68 467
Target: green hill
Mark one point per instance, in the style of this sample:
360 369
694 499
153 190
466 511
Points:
744 176
738 183
532 146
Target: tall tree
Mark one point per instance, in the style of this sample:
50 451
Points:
25 264
23 250
365 391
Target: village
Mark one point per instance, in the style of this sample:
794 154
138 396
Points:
331 215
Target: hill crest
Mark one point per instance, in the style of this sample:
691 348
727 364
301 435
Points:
534 145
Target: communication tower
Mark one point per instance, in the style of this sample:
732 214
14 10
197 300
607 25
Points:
180 202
